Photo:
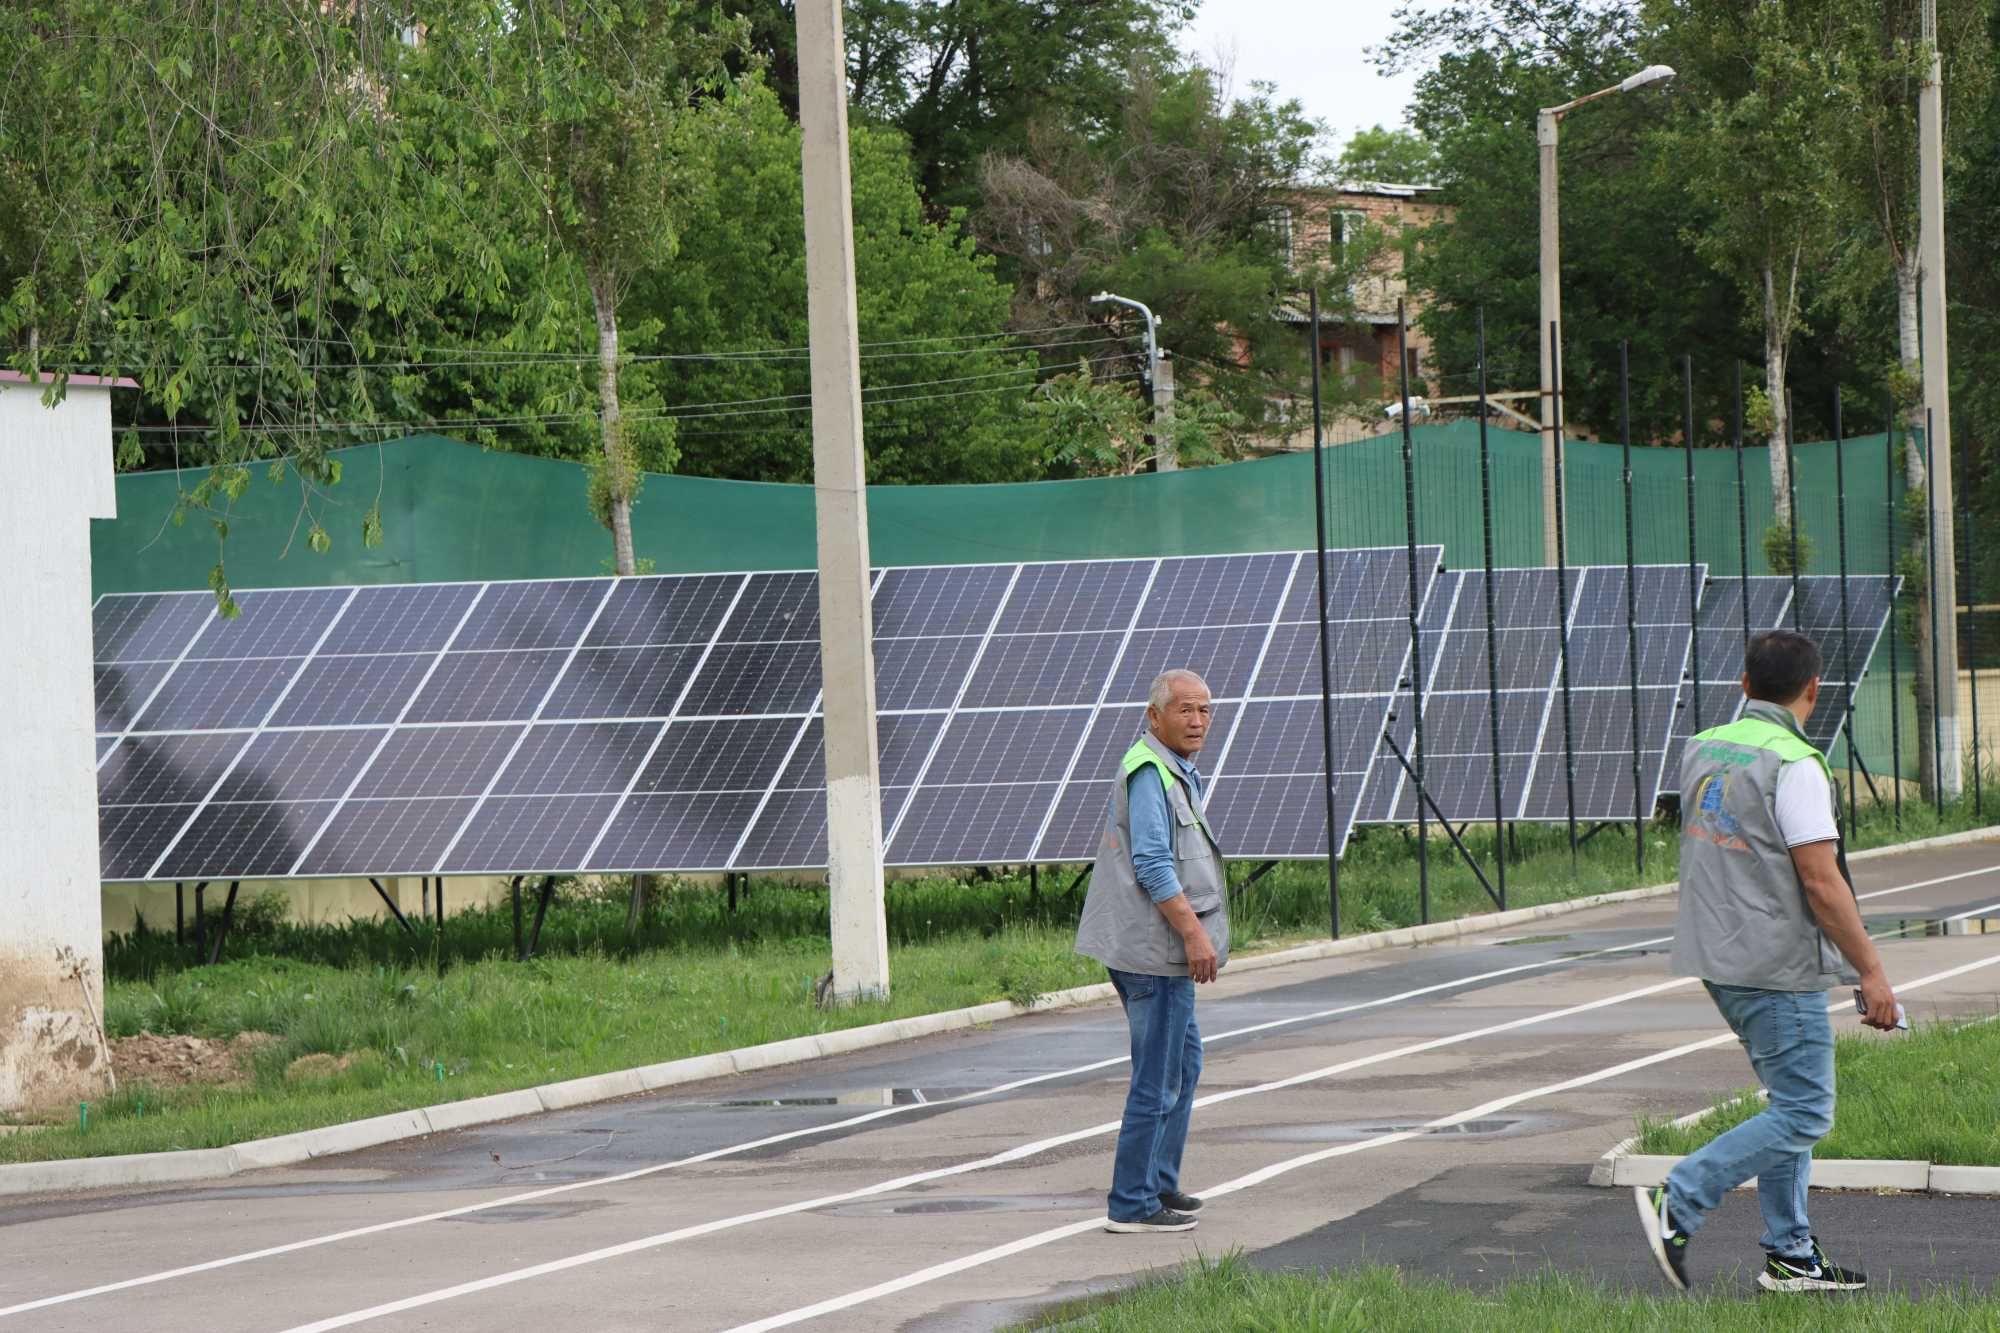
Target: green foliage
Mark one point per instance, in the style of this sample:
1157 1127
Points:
1400 156
1778 548
1090 427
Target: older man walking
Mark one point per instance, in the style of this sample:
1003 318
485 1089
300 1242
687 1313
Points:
1157 917
1767 916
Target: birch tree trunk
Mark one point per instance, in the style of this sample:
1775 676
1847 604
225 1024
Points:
617 469
1775 353
1909 350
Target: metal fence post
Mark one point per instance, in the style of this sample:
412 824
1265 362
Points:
1895 629
1492 634
1846 632
1416 635
1631 599
1325 673
1562 600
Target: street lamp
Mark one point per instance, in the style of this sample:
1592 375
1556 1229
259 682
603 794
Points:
1546 121
1152 328
1159 376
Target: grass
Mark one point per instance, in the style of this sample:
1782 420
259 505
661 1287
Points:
428 1017
1231 1295
1926 1095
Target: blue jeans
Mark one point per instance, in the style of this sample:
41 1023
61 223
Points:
1166 1065
1790 1042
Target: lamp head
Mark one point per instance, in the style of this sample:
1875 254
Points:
1650 74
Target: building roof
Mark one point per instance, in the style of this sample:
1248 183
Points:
1386 189
75 381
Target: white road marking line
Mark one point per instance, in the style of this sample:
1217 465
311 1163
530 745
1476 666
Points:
1014 1154
354 1233
788 1136
1276 1169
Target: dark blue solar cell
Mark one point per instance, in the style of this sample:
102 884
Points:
1460 785
1362 657
576 759
1362 585
1718 702
790 834
1030 745
167 770
104 744
401 618
123 690
755 678
681 831
623 682
945 825
523 835
284 622
131 837
1077 824
1603 787
1660 594
250 840
1094 595
300 765
774 608
1222 657
345 691
680 609
1601 655
550 614
401 837
438 761
1273 818
939 601
487 687
1218 590
1601 720
732 754
150 626
220 693
1525 658
902 743
1284 737
922 673
1027 670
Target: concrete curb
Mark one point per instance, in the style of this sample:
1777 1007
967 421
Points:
1854 1173
170 1168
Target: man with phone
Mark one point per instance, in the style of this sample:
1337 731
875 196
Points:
1768 920
1157 917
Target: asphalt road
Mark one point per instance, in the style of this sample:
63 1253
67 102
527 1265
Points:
1437 1107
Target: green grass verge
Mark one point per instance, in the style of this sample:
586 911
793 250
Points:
1929 1095
430 1017
1231 1295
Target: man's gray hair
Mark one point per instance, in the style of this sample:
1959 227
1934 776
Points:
1162 692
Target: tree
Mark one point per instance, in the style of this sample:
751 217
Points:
232 213
943 385
588 96
1401 156
1175 202
1092 428
961 78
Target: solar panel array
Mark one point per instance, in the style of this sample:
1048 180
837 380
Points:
672 722
1871 600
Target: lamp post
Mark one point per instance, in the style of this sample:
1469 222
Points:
1159 374
1546 122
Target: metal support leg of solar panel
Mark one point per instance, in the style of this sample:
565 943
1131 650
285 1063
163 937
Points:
1450 832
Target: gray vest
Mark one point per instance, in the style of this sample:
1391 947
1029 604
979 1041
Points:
1743 918
1121 927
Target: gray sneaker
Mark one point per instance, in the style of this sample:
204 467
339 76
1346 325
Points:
1165 1219
1179 1202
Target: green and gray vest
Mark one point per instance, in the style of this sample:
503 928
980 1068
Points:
1121 927
1743 918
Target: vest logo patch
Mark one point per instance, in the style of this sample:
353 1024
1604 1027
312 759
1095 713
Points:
1711 822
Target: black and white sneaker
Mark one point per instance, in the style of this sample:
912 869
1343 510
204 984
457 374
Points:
1666 1240
1812 1273
1179 1202
1164 1219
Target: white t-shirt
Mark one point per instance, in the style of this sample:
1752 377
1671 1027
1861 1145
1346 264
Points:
1805 805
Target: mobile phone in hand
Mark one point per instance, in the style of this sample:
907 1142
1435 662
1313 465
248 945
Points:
1902 1019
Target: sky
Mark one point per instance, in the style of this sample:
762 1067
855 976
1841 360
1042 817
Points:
1312 50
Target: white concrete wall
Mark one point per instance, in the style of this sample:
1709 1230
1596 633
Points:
55 476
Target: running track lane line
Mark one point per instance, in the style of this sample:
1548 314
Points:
1014 1154
955 1266
355 1233
376 1228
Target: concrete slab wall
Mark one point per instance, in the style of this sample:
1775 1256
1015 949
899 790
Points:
55 476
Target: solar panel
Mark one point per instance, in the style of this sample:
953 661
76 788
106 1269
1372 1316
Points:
1870 602
1535 774
673 722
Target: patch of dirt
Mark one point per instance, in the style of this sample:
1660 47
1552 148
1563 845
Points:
319 1067
180 1061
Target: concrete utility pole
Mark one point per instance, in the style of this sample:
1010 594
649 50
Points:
1937 394
1547 121
55 476
846 629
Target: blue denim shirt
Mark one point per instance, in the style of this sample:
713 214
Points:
1153 829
